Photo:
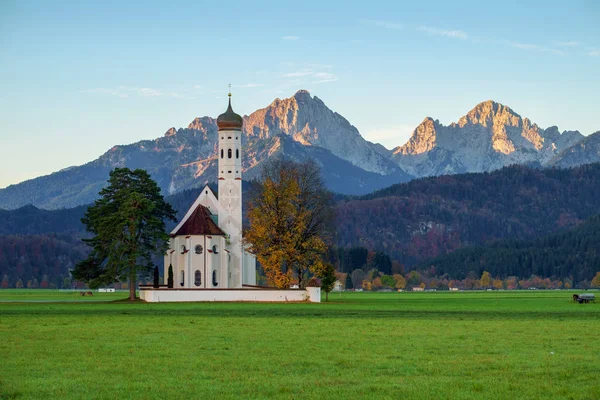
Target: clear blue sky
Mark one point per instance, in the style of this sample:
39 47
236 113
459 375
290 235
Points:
79 77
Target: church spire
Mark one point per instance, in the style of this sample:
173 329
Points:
229 119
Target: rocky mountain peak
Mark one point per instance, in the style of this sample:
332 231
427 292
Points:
202 123
423 138
172 131
309 121
490 113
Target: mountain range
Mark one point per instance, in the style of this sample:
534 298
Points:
302 127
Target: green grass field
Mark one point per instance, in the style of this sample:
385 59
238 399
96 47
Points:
492 345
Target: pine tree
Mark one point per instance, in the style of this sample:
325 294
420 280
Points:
128 227
348 281
170 277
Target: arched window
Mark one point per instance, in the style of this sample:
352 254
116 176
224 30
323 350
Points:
221 153
183 249
198 249
215 283
237 153
215 249
229 153
197 278
182 278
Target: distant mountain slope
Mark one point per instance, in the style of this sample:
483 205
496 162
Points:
574 253
300 127
432 216
489 137
585 152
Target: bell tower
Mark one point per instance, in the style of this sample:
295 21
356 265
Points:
230 190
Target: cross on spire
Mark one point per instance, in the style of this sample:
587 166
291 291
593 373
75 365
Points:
229 90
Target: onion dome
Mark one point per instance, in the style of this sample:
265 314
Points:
229 119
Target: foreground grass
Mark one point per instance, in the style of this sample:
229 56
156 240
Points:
388 345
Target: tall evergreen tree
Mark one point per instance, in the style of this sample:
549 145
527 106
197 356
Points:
128 226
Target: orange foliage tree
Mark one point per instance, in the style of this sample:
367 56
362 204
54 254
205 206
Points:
290 215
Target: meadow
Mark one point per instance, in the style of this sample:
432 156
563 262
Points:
465 345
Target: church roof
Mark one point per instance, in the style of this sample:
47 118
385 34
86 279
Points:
199 223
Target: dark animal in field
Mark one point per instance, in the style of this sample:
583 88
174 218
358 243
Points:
86 293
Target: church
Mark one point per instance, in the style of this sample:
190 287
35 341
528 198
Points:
206 249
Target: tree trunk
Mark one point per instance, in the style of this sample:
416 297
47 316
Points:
132 282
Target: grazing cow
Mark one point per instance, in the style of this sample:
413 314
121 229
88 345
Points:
89 293
82 293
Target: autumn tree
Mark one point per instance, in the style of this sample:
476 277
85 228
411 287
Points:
127 224
485 279
498 284
290 214
400 281
596 280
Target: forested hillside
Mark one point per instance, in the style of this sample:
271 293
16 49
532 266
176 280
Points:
39 260
574 253
433 216
409 222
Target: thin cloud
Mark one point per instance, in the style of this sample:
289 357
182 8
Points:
310 74
296 74
594 53
571 43
324 77
290 38
383 24
248 85
130 91
537 48
456 34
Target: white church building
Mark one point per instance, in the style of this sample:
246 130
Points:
206 250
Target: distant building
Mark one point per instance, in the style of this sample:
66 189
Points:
417 289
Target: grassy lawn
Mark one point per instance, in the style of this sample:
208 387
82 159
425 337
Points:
492 345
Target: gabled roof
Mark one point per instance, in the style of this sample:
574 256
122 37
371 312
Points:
199 222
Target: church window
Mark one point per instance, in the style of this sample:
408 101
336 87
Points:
229 153
236 138
182 278
197 278
229 137
237 153
215 283
198 249
183 249
229 171
215 249
222 137
221 153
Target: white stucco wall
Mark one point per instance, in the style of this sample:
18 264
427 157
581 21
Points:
160 295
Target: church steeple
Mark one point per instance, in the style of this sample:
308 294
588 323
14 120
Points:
230 191
229 119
